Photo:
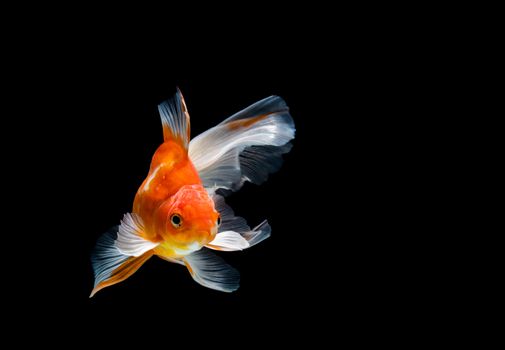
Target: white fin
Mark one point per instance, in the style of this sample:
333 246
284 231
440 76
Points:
211 271
175 120
245 147
129 239
230 222
228 241
110 265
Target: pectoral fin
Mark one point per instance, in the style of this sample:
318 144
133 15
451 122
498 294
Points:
130 240
234 232
228 241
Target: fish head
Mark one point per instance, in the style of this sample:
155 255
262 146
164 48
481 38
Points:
190 219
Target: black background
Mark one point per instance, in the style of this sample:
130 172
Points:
105 133
90 107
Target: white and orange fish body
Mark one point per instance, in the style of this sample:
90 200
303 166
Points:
177 214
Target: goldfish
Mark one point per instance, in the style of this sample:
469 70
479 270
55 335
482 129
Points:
179 212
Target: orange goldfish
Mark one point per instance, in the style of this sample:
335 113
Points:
179 213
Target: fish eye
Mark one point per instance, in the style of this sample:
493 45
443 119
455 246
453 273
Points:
218 220
176 220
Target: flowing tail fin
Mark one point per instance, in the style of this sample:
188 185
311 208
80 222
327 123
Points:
245 147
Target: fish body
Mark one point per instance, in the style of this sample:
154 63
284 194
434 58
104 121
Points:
173 186
178 213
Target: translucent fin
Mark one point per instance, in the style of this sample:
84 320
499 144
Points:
230 222
228 241
211 271
129 240
175 120
245 147
110 265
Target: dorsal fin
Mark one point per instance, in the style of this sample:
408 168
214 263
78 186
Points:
175 120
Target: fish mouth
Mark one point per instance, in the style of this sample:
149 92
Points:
201 238
190 248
